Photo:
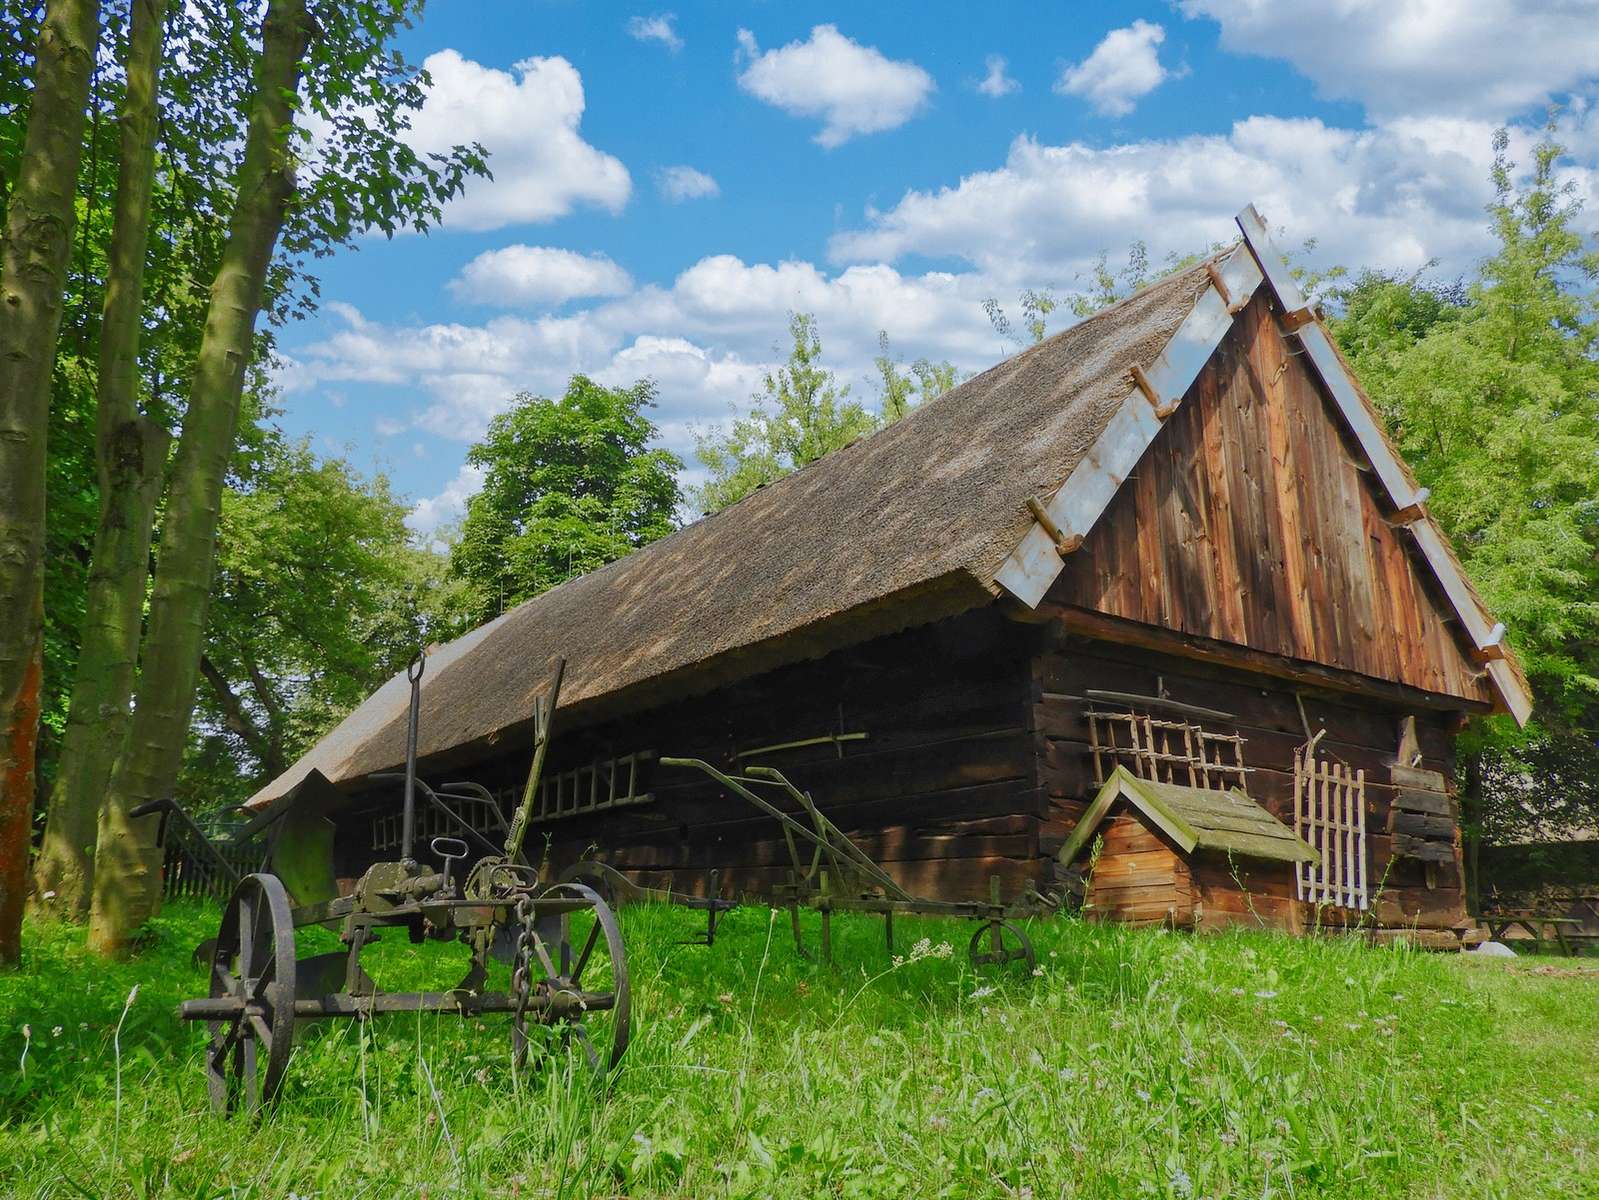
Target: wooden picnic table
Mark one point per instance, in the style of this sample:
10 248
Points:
1539 926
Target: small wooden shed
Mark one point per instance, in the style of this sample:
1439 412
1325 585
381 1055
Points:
1166 556
1170 853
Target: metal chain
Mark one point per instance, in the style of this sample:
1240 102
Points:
521 973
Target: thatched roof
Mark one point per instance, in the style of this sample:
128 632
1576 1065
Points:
903 527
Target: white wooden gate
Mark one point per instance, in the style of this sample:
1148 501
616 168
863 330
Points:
1330 815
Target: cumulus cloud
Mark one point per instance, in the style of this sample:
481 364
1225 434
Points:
685 183
1395 195
1122 68
537 275
853 88
997 83
656 29
528 120
1489 59
706 338
449 506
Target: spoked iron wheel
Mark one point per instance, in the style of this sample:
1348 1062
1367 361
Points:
254 965
578 981
999 943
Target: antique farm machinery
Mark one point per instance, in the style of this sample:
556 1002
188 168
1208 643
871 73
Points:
568 968
829 873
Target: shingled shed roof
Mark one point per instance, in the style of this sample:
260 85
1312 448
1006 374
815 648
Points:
1195 819
906 526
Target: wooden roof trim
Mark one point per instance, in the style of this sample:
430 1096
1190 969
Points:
1403 494
1154 393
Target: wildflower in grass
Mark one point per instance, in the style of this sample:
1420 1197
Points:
1265 995
1228 1138
56 1032
1067 1074
1238 991
1142 1095
1181 1184
1038 972
937 1123
985 990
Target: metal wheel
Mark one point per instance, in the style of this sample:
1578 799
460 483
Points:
1006 943
253 964
577 976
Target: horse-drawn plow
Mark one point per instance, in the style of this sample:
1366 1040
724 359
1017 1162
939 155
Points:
568 980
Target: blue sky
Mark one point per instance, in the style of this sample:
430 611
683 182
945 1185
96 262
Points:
670 182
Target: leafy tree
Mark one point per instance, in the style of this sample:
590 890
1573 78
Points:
801 413
900 392
34 256
569 485
318 597
1492 393
130 457
1493 398
359 175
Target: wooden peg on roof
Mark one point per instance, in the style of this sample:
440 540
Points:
1142 382
1064 543
1414 511
1216 281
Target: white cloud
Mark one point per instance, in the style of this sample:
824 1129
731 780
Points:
685 183
997 83
655 29
449 506
528 120
706 339
1122 68
537 275
1490 59
854 89
1394 195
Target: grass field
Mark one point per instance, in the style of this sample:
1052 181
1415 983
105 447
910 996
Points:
1136 1064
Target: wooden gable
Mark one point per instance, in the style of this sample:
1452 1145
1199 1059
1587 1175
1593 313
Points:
1252 519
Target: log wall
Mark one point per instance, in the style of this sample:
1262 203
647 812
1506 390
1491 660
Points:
1272 715
941 791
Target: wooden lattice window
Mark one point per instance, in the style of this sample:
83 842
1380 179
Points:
1330 815
1166 751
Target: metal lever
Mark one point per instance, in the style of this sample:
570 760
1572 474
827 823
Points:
451 850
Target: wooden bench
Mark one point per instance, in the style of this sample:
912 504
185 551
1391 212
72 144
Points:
1541 927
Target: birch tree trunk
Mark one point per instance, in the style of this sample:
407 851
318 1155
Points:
33 266
127 882
131 451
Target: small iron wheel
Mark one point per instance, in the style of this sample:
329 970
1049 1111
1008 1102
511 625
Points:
577 979
1005 943
254 964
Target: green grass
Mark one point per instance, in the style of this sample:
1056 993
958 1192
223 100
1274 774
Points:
1138 1064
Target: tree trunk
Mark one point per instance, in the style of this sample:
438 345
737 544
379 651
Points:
127 883
33 267
131 452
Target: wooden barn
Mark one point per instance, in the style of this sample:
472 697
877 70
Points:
1151 611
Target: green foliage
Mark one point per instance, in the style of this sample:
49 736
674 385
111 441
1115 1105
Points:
1492 394
801 414
569 485
1138 1063
318 597
900 392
